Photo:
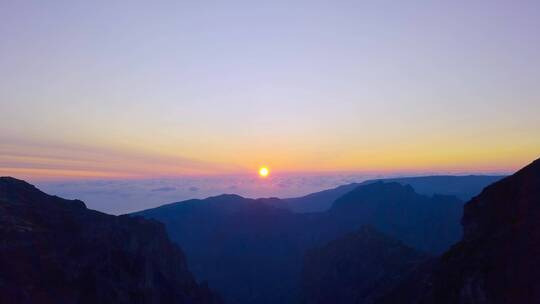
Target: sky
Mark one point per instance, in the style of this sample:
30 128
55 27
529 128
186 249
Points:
130 90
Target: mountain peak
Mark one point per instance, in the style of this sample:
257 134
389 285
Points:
514 200
374 191
8 181
404 212
386 186
225 197
16 191
536 163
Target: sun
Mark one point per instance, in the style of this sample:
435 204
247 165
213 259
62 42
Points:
263 172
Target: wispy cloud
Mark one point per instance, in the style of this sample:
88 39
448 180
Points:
39 160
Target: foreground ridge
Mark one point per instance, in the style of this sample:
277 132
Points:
498 259
57 251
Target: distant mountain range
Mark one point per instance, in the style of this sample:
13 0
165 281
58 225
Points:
463 187
251 251
54 251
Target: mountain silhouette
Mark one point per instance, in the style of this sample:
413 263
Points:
57 251
246 249
356 268
373 245
430 224
463 187
252 252
498 259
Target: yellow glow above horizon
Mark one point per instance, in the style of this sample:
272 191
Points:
53 160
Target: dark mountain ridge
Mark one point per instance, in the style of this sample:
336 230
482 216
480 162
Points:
498 259
430 224
356 268
463 187
252 252
244 248
57 251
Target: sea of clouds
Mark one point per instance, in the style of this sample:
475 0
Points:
124 196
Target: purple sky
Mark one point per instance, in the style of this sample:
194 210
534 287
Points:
170 89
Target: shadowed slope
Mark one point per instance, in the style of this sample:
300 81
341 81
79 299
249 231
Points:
356 268
57 251
252 252
498 260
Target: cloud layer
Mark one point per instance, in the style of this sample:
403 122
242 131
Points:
123 196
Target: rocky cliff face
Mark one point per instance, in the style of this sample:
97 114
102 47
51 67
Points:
357 268
54 250
498 260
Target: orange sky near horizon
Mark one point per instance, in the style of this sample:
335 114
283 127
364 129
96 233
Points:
51 162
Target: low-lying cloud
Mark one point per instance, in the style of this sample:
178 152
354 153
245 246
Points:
124 196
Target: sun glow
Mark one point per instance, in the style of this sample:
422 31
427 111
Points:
263 172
